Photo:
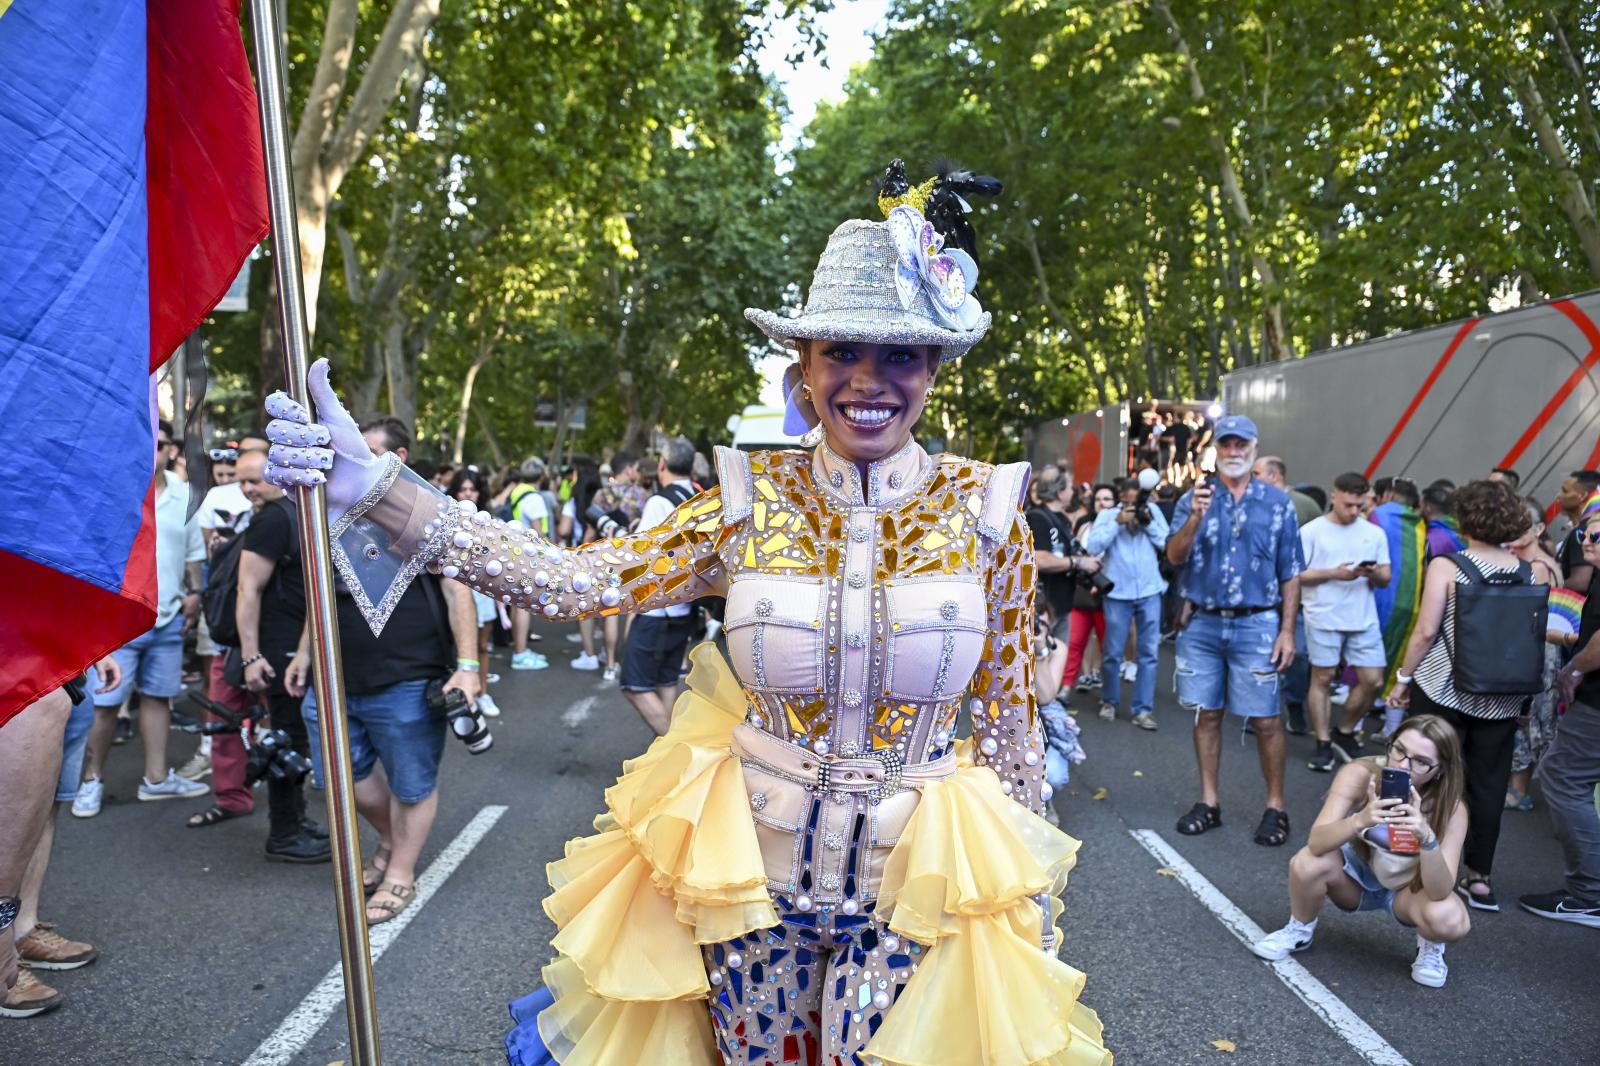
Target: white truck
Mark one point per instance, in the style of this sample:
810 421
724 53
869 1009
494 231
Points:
758 427
1516 390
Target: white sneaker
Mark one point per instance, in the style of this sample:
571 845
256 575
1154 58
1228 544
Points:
487 705
1429 968
1108 712
611 673
198 766
86 804
1130 672
173 787
1339 694
1279 945
586 662
574 638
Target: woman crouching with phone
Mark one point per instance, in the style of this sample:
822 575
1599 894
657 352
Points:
1389 838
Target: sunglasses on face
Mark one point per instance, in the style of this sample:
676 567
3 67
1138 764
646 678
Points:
1419 763
224 455
163 444
1591 536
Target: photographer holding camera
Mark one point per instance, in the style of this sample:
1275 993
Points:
1389 837
397 691
1130 538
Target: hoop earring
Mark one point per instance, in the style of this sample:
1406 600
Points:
928 395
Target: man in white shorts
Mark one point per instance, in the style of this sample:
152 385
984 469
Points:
1346 558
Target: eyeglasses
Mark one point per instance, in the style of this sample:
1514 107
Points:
1420 763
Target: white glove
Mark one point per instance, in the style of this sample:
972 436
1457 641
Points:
300 453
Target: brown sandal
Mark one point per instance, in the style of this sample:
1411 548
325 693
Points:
372 868
390 908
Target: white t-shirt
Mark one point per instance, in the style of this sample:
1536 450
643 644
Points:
531 512
225 507
1347 606
657 509
177 543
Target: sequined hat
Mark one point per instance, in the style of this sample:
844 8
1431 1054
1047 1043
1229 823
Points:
889 282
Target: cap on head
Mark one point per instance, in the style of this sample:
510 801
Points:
1236 426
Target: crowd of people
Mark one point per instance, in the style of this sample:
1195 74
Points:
1349 614
1433 643
229 657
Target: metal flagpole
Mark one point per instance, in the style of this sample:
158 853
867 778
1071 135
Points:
321 613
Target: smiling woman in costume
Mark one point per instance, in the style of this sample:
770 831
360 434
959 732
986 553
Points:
807 867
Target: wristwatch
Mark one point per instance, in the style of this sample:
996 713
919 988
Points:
9 906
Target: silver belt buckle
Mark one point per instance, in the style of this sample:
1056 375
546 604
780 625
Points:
893 766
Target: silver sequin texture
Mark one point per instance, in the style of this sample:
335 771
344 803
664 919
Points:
949 609
829 882
852 698
860 534
758 801
858 579
896 480
856 640
837 478
833 841
764 607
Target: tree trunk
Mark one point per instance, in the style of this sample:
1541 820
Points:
490 439
1574 198
1276 341
1580 76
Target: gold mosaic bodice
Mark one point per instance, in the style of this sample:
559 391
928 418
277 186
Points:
863 608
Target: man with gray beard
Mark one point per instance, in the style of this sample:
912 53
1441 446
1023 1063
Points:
1237 542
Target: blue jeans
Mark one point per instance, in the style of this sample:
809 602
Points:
75 741
152 662
1226 663
1119 616
394 726
1297 679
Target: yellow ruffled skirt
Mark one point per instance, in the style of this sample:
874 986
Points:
674 864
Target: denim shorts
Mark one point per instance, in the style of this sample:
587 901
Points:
393 726
1226 663
1330 647
1374 897
654 656
152 663
74 743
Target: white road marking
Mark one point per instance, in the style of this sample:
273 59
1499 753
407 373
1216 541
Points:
1316 995
578 713
298 1029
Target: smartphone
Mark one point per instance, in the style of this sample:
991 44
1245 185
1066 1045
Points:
1366 564
1395 783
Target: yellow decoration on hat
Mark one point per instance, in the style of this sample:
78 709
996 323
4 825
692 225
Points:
916 196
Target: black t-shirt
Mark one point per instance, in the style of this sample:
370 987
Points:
1589 687
272 535
1052 533
1179 434
416 644
1572 553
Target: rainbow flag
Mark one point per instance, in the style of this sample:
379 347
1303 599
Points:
130 159
1566 610
1397 602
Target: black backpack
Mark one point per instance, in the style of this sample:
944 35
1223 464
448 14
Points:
1497 647
221 593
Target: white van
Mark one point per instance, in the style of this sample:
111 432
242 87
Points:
759 428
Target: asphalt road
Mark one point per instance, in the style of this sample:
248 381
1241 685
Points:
206 949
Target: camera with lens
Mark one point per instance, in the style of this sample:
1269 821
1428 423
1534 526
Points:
272 755
463 716
609 523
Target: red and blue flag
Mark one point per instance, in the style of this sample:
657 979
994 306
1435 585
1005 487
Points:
130 159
